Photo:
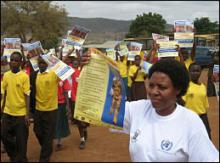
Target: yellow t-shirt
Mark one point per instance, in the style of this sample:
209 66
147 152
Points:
196 98
16 85
2 96
122 66
46 91
188 62
177 58
140 75
142 55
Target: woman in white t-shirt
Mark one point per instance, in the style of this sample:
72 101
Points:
159 128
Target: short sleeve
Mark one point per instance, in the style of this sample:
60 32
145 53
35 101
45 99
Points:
26 85
134 112
200 147
2 90
127 118
4 84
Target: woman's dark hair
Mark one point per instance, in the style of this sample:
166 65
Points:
175 70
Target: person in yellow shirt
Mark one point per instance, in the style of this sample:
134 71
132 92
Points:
46 105
187 58
196 97
130 63
138 89
123 69
15 120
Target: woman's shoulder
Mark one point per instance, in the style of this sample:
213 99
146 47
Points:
139 102
138 106
189 116
191 123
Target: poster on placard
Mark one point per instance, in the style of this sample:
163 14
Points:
159 37
52 51
134 49
4 64
183 26
11 45
123 49
25 45
8 52
62 70
167 49
77 36
100 98
111 53
67 48
34 49
34 62
145 66
184 39
216 79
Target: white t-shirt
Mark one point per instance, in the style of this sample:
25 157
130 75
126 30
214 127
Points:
178 137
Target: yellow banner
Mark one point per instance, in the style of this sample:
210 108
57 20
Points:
93 88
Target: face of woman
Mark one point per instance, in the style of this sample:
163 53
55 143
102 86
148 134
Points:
162 93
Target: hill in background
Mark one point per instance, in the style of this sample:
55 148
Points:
103 29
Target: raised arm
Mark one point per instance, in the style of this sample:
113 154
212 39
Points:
193 53
64 58
180 54
117 55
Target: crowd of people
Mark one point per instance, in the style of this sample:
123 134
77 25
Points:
39 97
165 114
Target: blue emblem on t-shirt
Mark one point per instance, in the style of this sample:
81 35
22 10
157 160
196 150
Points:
166 145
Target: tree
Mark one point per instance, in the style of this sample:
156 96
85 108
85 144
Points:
146 24
33 20
205 26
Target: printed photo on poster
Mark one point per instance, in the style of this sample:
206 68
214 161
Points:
77 36
34 49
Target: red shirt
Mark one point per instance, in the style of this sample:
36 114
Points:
75 77
28 70
71 65
62 87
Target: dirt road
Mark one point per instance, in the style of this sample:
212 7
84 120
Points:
104 146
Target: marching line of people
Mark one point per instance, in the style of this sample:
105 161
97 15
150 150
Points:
52 102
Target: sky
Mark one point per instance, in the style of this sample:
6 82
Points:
128 10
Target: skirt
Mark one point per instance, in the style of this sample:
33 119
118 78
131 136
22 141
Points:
62 125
